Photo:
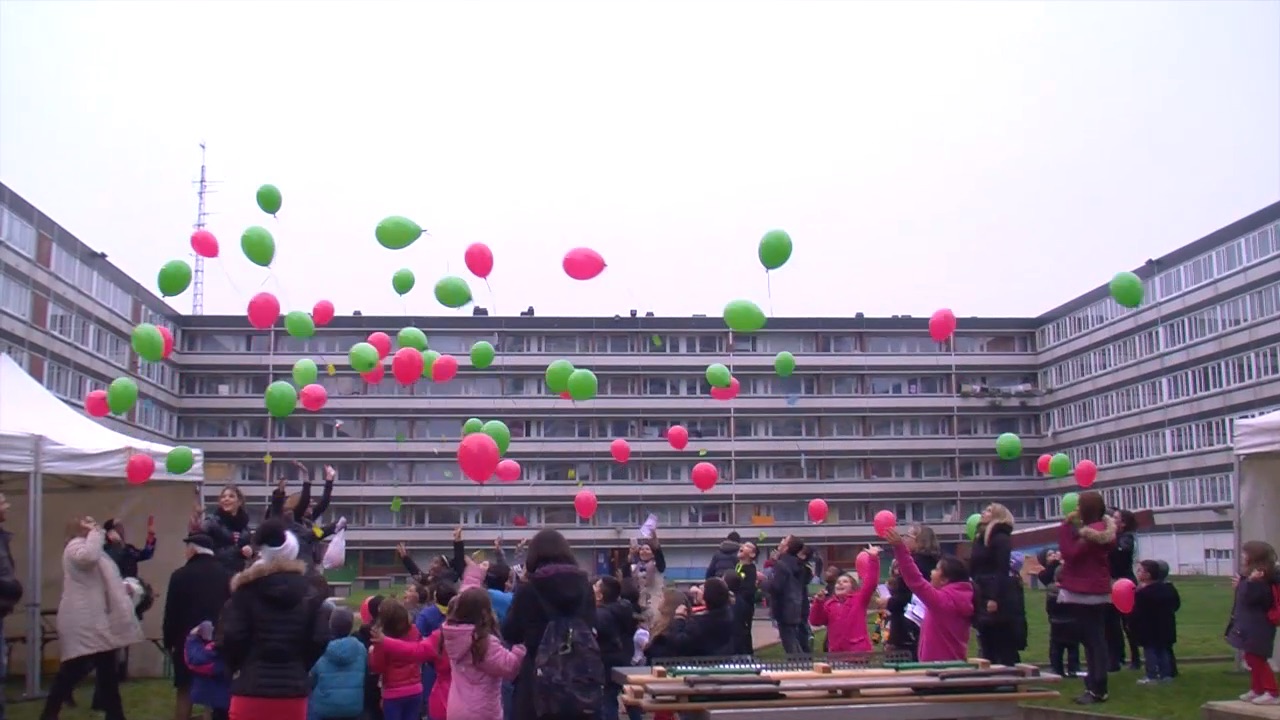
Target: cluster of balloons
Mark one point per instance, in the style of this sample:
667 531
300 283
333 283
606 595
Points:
1058 465
571 383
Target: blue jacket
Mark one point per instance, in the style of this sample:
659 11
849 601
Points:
210 683
429 619
338 680
501 603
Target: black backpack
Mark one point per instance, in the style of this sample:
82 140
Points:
568 669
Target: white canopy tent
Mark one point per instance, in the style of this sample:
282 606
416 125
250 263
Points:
1256 442
56 463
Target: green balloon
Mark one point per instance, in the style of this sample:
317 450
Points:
363 357
718 375
179 460
775 249
583 385
403 281
269 199
174 278
472 425
411 337
122 394
1070 502
971 526
453 292
397 233
481 355
743 316
558 373
1059 465
428 359
258 245
148 343
281 399
1126 289
299 324
305 372
497 430
784 363
1009 446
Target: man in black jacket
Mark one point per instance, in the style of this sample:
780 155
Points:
10 593
725 557
197 592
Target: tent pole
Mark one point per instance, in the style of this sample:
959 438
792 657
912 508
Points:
1235 534
35 525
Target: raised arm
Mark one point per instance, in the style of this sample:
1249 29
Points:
458 563
327 493
869 581
85 552
149 547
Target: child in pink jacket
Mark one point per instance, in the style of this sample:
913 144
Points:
948 601
845 613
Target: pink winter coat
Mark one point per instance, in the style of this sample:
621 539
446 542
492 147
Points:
846 616
475 691
944 635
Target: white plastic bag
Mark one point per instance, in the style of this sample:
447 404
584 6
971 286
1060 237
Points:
335 556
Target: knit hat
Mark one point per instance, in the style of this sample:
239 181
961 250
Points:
341 621
276 542
369 609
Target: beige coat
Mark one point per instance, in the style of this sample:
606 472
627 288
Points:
95 613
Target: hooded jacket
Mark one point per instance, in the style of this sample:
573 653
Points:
338 680
1085 565
787 590
724 559
433 654
615 631
1154 622
231 534
944 633
845 617
274 628
210 682
401 677
708 633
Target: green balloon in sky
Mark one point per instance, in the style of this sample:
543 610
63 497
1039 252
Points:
305 372
582 385
258 245
1126 289
299 324
1009 446
411 337
179 460
397 233
482 354
453 292
971 526
122 394
403 281
775 249
743 316
174 278
1070 502
558 373
472 425
1059 465
269 199
281 399
363 357
497 430
784 363
148 342
718 375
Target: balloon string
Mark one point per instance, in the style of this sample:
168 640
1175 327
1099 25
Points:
493 302
768 288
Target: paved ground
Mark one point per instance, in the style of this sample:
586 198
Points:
763 633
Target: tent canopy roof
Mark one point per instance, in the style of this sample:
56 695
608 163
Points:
1257 435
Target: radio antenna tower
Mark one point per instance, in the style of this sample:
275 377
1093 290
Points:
202 189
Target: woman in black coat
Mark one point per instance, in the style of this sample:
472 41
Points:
999 611
904 635
1121 560
228 527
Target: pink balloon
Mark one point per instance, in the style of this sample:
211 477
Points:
322 313
139 469
704 476
264 310
479 260
678 437
585 503
407 365
565 395
1086 473
95 403
168 340
374 376
204 244
478 457
620 449
817 510
444 368
583 263
942 324
862 564
1042 463
508 471
519 521
380 342
727 393
1123 592
313 396
883 521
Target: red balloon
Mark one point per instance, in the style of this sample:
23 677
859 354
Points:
817 510
478 456
704 476
1042 463
139 469
444 368
95 403
883 521
519 521
1122 595
942 324
264 310
313 396
407 365
727 393
620 449
583 263
204 243
585 503
1086 473
381 342
479 259
678 437
374 376
168 340
322 313
565 395
508 471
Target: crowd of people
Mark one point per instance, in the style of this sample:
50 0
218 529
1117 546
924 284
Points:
253 632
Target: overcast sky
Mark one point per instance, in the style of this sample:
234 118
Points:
996 158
